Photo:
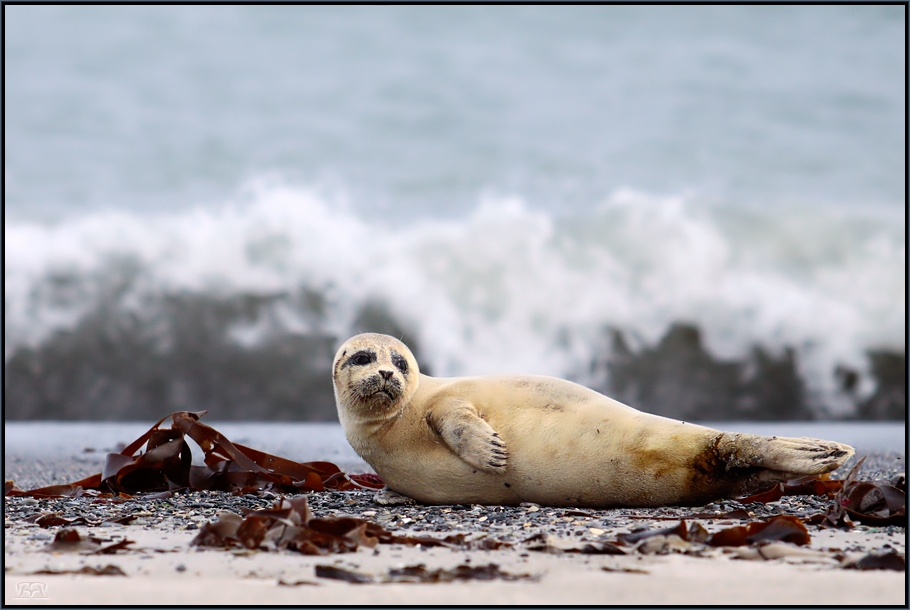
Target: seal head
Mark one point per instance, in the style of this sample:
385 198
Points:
375 376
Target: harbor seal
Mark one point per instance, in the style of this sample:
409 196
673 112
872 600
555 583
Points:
511 439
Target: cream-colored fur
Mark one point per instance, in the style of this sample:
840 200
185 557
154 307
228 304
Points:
512 439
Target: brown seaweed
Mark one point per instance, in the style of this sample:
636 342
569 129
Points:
876 503
680 530
166 466
785 528
811 485
289 524
68 540
892 560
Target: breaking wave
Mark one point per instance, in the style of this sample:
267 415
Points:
100 305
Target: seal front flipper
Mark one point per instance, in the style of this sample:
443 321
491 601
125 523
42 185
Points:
461 427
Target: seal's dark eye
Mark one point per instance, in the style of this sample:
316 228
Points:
400 362
361 359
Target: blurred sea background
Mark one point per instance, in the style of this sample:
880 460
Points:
699 210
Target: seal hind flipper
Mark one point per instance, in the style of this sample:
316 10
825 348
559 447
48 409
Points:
782 454
466 433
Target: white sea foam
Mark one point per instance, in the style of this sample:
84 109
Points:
503 289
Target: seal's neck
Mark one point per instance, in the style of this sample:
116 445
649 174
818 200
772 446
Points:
370 422
364 429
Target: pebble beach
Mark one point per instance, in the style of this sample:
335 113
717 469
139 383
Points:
524 554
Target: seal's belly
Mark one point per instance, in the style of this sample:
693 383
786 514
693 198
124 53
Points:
435 475
594 457
584 457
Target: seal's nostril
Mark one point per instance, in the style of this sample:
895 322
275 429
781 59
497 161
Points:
386 374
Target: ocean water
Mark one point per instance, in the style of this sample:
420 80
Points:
202 203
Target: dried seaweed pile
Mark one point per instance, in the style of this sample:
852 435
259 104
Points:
166 466
290 525
868 502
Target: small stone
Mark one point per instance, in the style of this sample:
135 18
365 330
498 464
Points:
180 567
596 531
